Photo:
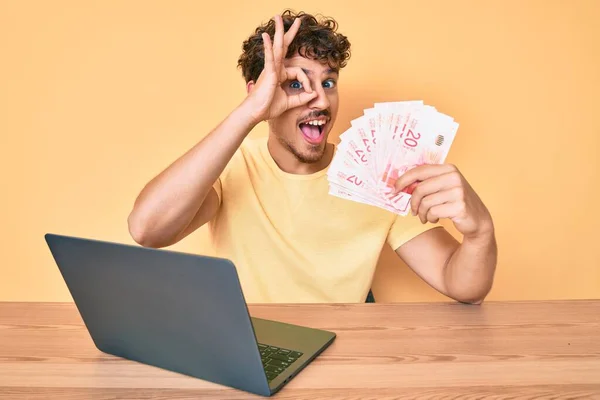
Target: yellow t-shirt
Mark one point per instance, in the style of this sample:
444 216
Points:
293 242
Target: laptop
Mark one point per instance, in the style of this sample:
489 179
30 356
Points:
180 312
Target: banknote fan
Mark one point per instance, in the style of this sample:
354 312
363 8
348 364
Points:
385 142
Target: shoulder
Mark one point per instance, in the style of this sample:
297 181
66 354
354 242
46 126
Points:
249 153
252 147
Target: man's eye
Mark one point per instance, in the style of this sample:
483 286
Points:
329 84
296 85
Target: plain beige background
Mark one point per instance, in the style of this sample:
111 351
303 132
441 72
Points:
96 97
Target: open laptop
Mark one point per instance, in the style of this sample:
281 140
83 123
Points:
180 312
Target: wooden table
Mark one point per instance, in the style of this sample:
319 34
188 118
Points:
382 351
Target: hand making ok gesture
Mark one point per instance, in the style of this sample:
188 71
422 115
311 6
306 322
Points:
267 97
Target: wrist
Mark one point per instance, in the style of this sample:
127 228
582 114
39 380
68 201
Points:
250 111
484 233
245 114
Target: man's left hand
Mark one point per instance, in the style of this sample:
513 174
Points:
441 191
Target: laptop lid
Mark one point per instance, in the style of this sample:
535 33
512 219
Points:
181 312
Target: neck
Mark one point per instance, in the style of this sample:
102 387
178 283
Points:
287 162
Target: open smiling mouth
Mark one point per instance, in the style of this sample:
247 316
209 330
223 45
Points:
312 131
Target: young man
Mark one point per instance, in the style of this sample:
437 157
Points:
267 204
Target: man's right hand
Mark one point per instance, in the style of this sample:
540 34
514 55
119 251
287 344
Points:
267 98
182 198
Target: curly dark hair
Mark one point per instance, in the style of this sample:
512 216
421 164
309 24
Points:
316 39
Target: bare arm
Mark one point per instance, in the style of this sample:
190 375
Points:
181 198
464 271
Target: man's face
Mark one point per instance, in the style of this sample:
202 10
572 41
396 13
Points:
303 130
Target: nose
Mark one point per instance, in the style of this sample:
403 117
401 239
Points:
321 102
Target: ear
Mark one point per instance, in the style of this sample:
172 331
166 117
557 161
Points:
249 86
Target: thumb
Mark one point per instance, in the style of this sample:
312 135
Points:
301 99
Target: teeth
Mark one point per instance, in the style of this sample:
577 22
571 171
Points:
316 123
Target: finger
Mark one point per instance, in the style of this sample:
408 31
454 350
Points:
432 185
421 173
446 210
268 48
296 73
300 99
278 42
291 33
431 201
299 75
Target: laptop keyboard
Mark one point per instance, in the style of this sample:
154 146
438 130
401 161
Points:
276 359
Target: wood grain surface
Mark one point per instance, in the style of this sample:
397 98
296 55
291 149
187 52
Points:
499 350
